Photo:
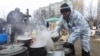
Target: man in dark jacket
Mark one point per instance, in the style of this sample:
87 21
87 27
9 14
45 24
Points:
16 19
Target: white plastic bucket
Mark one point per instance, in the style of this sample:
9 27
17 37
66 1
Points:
56 53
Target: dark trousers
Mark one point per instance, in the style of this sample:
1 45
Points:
14 31
38 51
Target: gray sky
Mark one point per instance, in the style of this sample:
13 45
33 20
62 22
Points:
8 5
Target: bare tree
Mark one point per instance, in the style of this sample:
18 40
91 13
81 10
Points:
98 14
78 5
43 13
36 14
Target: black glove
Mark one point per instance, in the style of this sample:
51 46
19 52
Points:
67 45
55 39
71 47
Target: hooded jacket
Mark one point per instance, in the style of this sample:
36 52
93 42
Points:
76 26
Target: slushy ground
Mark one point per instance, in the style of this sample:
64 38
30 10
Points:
95 46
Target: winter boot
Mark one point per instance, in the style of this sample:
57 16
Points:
71 48
84 53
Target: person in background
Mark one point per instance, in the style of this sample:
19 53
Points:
47 24
77 26
16 18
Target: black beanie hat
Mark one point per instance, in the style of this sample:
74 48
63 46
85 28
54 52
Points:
65 8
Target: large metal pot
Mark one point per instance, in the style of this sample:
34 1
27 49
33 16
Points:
14 51
24 39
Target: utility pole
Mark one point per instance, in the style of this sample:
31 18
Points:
26 20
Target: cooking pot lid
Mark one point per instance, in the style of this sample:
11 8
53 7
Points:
23 37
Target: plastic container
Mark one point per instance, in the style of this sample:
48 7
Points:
56 53
3 38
